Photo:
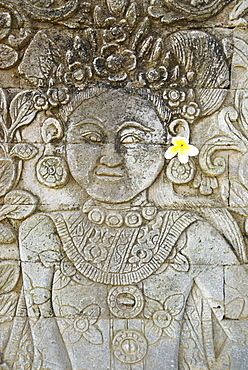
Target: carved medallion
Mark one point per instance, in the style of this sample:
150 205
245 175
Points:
129 346
125 302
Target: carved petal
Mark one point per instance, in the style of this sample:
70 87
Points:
100 66
174 304
152 332
92 312
93 335
109 49
129 62
121 76
151 306
172 330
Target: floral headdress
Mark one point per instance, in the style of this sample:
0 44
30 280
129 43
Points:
187 70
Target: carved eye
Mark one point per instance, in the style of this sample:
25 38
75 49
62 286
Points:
93 137
130 139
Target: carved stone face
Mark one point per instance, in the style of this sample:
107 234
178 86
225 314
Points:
115 146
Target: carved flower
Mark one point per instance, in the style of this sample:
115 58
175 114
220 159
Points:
163 319
140 253
115 31
81 324
174 97
190 111
95 252
58 95
113 63
52 170
156 77
40 101
181 148
78 74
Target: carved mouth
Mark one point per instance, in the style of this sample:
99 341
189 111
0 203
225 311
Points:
108 174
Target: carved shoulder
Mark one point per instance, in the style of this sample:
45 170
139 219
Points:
206 246
37 234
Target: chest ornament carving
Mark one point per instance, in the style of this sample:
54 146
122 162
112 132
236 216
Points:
121 255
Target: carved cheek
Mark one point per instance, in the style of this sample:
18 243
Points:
82 160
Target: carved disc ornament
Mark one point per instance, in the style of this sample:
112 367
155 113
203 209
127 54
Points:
129 346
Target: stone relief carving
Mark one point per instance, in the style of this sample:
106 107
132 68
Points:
123 219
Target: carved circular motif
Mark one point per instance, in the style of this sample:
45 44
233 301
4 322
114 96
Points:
180 173
133 219
162 318
52 171
125 301
129 346
96 215
114 219
149 211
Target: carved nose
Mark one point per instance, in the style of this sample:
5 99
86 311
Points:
110 157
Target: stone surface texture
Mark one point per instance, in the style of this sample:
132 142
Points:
123 184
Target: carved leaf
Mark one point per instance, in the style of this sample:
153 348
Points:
8 304
234 309
140 33
5 23
9 275
238 197
43 67
99 16
18 204
180 262
7 236
131 14
23 151
93 335
174 304
3 113
7 175
8 56
22 110
156 50
117 7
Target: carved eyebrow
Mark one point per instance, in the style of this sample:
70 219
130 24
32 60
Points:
88 120
134 124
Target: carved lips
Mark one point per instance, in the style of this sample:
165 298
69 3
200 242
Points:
108 174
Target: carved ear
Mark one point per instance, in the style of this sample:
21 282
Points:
51 130
179 127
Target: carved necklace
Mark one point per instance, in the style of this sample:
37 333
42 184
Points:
116 218
120 255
